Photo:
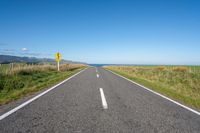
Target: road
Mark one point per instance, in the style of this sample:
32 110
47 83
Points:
97 101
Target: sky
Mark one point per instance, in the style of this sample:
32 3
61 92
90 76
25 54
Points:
103 31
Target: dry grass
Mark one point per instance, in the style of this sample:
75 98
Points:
27 69
181 69
70 67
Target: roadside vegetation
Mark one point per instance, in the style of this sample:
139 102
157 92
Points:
181 83
23 79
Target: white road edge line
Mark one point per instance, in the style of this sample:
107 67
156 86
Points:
104 103
183 106
36 97
97 75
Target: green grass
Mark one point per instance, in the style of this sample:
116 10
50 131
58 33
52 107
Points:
179 83
27 81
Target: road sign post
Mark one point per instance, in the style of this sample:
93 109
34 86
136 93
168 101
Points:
58 58
58 63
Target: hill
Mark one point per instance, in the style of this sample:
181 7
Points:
9 58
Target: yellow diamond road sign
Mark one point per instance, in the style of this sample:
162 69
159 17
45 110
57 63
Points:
58 56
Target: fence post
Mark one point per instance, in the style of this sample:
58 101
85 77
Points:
11 67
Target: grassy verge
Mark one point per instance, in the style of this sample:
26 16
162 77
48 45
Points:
26 81
178 84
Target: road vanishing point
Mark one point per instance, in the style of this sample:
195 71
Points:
97 101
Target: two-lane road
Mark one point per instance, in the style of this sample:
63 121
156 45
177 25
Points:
97 101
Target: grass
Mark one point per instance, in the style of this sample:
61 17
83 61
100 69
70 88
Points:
181 83
22 81
4 68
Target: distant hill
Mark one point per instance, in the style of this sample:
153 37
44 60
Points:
10 58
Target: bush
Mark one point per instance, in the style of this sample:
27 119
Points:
13 83
1 82
26 72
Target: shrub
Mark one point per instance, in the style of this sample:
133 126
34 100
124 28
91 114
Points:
13 83
1 82
26 72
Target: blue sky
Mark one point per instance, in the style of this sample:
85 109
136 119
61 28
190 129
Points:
103 31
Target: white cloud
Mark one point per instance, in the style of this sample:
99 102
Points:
24 49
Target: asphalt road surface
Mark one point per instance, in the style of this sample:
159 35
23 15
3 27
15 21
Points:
97 101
